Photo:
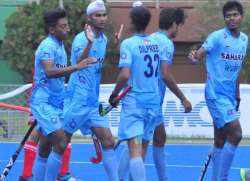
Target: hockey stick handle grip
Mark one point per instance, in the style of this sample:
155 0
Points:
11 106
126 90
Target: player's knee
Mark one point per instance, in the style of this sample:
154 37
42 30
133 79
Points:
235 138
108 142
159 140
60 146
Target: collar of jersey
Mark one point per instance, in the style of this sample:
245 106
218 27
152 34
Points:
55 39
100 38
163 33
229 33
140 34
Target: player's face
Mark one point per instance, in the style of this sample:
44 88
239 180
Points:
175 30
61 29
233 19
99 19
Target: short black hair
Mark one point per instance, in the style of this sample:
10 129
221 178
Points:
140 17
231 5
51 17
168 16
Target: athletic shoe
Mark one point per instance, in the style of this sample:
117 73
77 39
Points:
21 178
67 177
245 174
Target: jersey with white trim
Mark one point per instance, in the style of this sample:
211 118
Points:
49 89
167 51
140 53
224 56
84 85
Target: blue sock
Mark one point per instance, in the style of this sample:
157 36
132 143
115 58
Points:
227 156
123 168
160 162
216 159
110 164
53 166
137 169
39 168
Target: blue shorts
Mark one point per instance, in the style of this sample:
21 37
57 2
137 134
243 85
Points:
49 118
137 122
82 117
222 110
159 120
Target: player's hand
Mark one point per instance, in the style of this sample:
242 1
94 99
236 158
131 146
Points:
113 100
31 119
237 103
118 36
187 105
193 56
86 63
89 33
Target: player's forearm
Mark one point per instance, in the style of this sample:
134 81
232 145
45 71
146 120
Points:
56 73
238 88
85 52
170 82
121 81
200 54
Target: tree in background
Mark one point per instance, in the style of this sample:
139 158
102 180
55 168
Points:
24 32
212 19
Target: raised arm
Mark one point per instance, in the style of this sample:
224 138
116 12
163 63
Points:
90 37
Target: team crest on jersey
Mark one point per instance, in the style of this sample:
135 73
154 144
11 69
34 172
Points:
243 38
43 81
225 36
123 55
145 40
46 55
82 79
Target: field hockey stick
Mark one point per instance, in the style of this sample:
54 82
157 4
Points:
205 166
98 158
106 110
13 158
117 144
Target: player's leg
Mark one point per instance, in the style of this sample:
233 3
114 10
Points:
123 168
42 157
49 120
136 164
109 158
219 141
159 157
65 174
234 134
59 144
74 117
30 149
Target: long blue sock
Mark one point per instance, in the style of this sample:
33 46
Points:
216 159
123 168
160 162
39 168
53 166
110 164
226 160
137 169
